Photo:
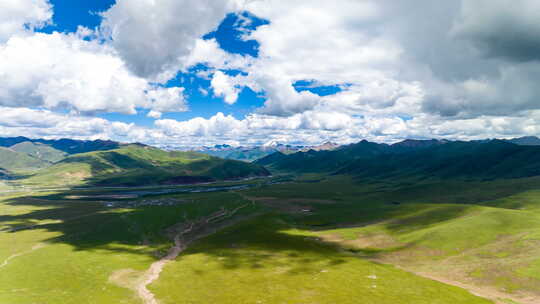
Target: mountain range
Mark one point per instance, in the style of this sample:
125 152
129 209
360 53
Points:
252 153
99 162
487 159
103 162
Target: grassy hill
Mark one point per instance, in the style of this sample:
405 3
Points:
142 165
14 161
40 151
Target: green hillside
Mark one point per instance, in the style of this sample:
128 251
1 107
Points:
19 162
476 159
40 151
69 146
323 161
142 165
487 160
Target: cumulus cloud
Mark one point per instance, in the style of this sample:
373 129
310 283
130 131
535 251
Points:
66 72
16 16
166 100
156 37
77 75
334 46
453 69
224 86
44 123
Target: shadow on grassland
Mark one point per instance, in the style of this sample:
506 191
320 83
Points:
89 225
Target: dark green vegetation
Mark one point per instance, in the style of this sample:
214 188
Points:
526 141
420 159
142 165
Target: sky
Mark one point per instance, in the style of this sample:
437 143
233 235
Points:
184 73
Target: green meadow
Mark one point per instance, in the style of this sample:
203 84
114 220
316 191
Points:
309 239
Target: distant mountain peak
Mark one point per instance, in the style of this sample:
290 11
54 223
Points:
525 141
419 143
271 144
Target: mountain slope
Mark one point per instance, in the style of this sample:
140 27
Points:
525 141
69 146
244 154
323 161
40 151
443 159
143 165
486 160
17 161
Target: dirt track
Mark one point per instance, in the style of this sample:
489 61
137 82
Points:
185 234
155 269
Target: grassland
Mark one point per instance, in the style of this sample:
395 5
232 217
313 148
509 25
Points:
265 261
317 239
480 235
60 251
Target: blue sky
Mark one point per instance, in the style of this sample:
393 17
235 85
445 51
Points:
182 73
69 15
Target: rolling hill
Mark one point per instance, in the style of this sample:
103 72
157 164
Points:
143 165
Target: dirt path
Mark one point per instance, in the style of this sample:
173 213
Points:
182 238
155 269
11 257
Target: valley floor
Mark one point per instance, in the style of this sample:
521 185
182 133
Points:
315 239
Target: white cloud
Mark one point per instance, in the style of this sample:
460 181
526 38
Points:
455 69
156 37
77 75
16 15
319 41
166 100
66 73
224 86
44 123
208 52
